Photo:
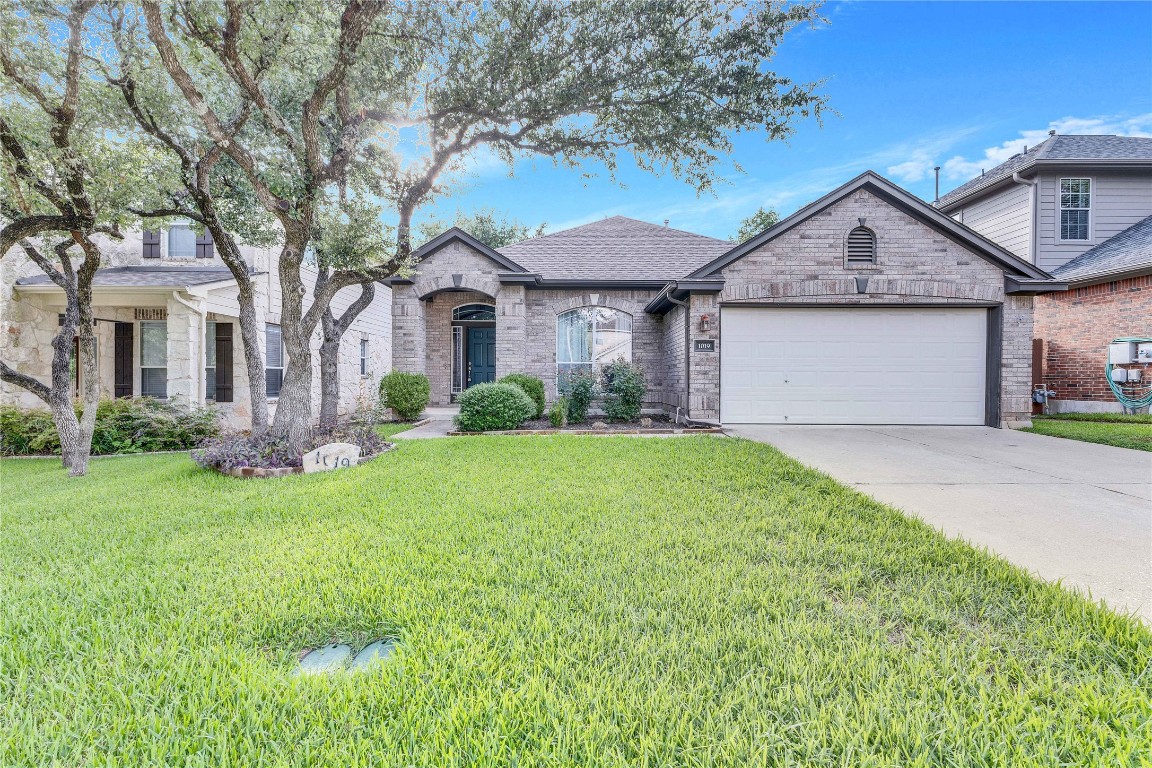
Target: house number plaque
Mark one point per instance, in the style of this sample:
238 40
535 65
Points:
704 345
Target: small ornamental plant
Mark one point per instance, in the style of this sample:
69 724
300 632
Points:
532 386
489 406
407 394
624 388
579 388
558 413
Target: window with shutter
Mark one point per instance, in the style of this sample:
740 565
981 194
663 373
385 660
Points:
274 356
861 246
122 357
223 370
151 244
204 248
154 359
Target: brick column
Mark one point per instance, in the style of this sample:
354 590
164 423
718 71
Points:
408 331
511 330
704 367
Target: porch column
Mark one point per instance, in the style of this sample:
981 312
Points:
408 332
704 367
511 330
186 350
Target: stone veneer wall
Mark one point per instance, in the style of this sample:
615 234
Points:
915 265
674 348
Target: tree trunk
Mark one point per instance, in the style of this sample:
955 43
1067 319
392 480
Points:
253 359
334 331
329 372
294 409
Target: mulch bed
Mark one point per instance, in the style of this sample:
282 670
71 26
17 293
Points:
661 425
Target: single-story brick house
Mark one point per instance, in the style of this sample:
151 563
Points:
868 306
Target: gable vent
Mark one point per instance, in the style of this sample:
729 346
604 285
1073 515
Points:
861 246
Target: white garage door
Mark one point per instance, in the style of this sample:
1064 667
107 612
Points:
852 365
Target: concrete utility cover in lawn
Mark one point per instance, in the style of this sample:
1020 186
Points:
376 653
330 658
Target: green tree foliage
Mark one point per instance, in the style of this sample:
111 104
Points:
485 225
755 224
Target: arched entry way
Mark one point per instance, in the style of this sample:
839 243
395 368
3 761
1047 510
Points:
473 345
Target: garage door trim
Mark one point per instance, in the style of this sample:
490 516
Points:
993 345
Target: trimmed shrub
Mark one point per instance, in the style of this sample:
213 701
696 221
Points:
532 386
485 407
137 425
558 414
624 389
407 394
580 389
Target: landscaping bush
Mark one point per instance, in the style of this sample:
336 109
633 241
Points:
485 407
407 394
624 389
558 415
122 426
532 386
580 389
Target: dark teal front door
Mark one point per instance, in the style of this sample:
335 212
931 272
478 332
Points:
481 355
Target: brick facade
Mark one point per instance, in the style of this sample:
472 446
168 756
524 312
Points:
806 264
1076 327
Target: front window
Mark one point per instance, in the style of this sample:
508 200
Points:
363 357
482 312
274 354
210 360
181 242
589 337
1075 207
154 359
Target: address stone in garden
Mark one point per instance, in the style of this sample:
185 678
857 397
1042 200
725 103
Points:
331 456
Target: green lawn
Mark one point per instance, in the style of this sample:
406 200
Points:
562 601
1132 431
387 429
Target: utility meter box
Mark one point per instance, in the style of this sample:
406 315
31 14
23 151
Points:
1119 375
1135 375
1122 352
1144 352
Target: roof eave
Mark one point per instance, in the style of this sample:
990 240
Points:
1031 168
677 291
1108 276
1025 287
455 234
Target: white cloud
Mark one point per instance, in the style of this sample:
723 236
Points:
960 167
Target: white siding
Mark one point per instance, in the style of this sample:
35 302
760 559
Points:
1004 218
1119 200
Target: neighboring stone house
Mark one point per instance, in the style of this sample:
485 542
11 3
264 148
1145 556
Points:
167 326
867 306
1077 207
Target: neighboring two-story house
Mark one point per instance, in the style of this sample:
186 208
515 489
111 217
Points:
167 325
1080 208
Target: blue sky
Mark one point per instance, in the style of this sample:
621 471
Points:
963 85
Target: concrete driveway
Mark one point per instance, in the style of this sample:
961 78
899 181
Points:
1063 509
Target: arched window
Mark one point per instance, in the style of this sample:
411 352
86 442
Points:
861 246
589 337
474 312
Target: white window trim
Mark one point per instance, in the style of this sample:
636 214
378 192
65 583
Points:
365 358
143 367
167 241
592 364
1060 209
274 398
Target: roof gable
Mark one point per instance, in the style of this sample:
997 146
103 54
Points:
616 248
457 235
899 198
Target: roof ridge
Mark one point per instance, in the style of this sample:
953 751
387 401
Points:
621 217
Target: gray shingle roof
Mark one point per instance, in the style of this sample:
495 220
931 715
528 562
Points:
617 248
1129 250
1058 148
145 277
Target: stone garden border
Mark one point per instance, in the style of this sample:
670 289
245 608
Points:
248 473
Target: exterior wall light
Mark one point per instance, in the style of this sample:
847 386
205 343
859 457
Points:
705 323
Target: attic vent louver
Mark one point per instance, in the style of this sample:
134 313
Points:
861 246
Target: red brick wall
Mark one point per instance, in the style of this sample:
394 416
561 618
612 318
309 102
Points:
1076 327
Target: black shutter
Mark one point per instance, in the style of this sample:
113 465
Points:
123 360
223 362
204 245
151 243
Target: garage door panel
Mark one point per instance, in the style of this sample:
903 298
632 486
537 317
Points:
911 365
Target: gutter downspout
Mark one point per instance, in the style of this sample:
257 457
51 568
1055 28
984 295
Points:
687 350
1033 219
202 363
